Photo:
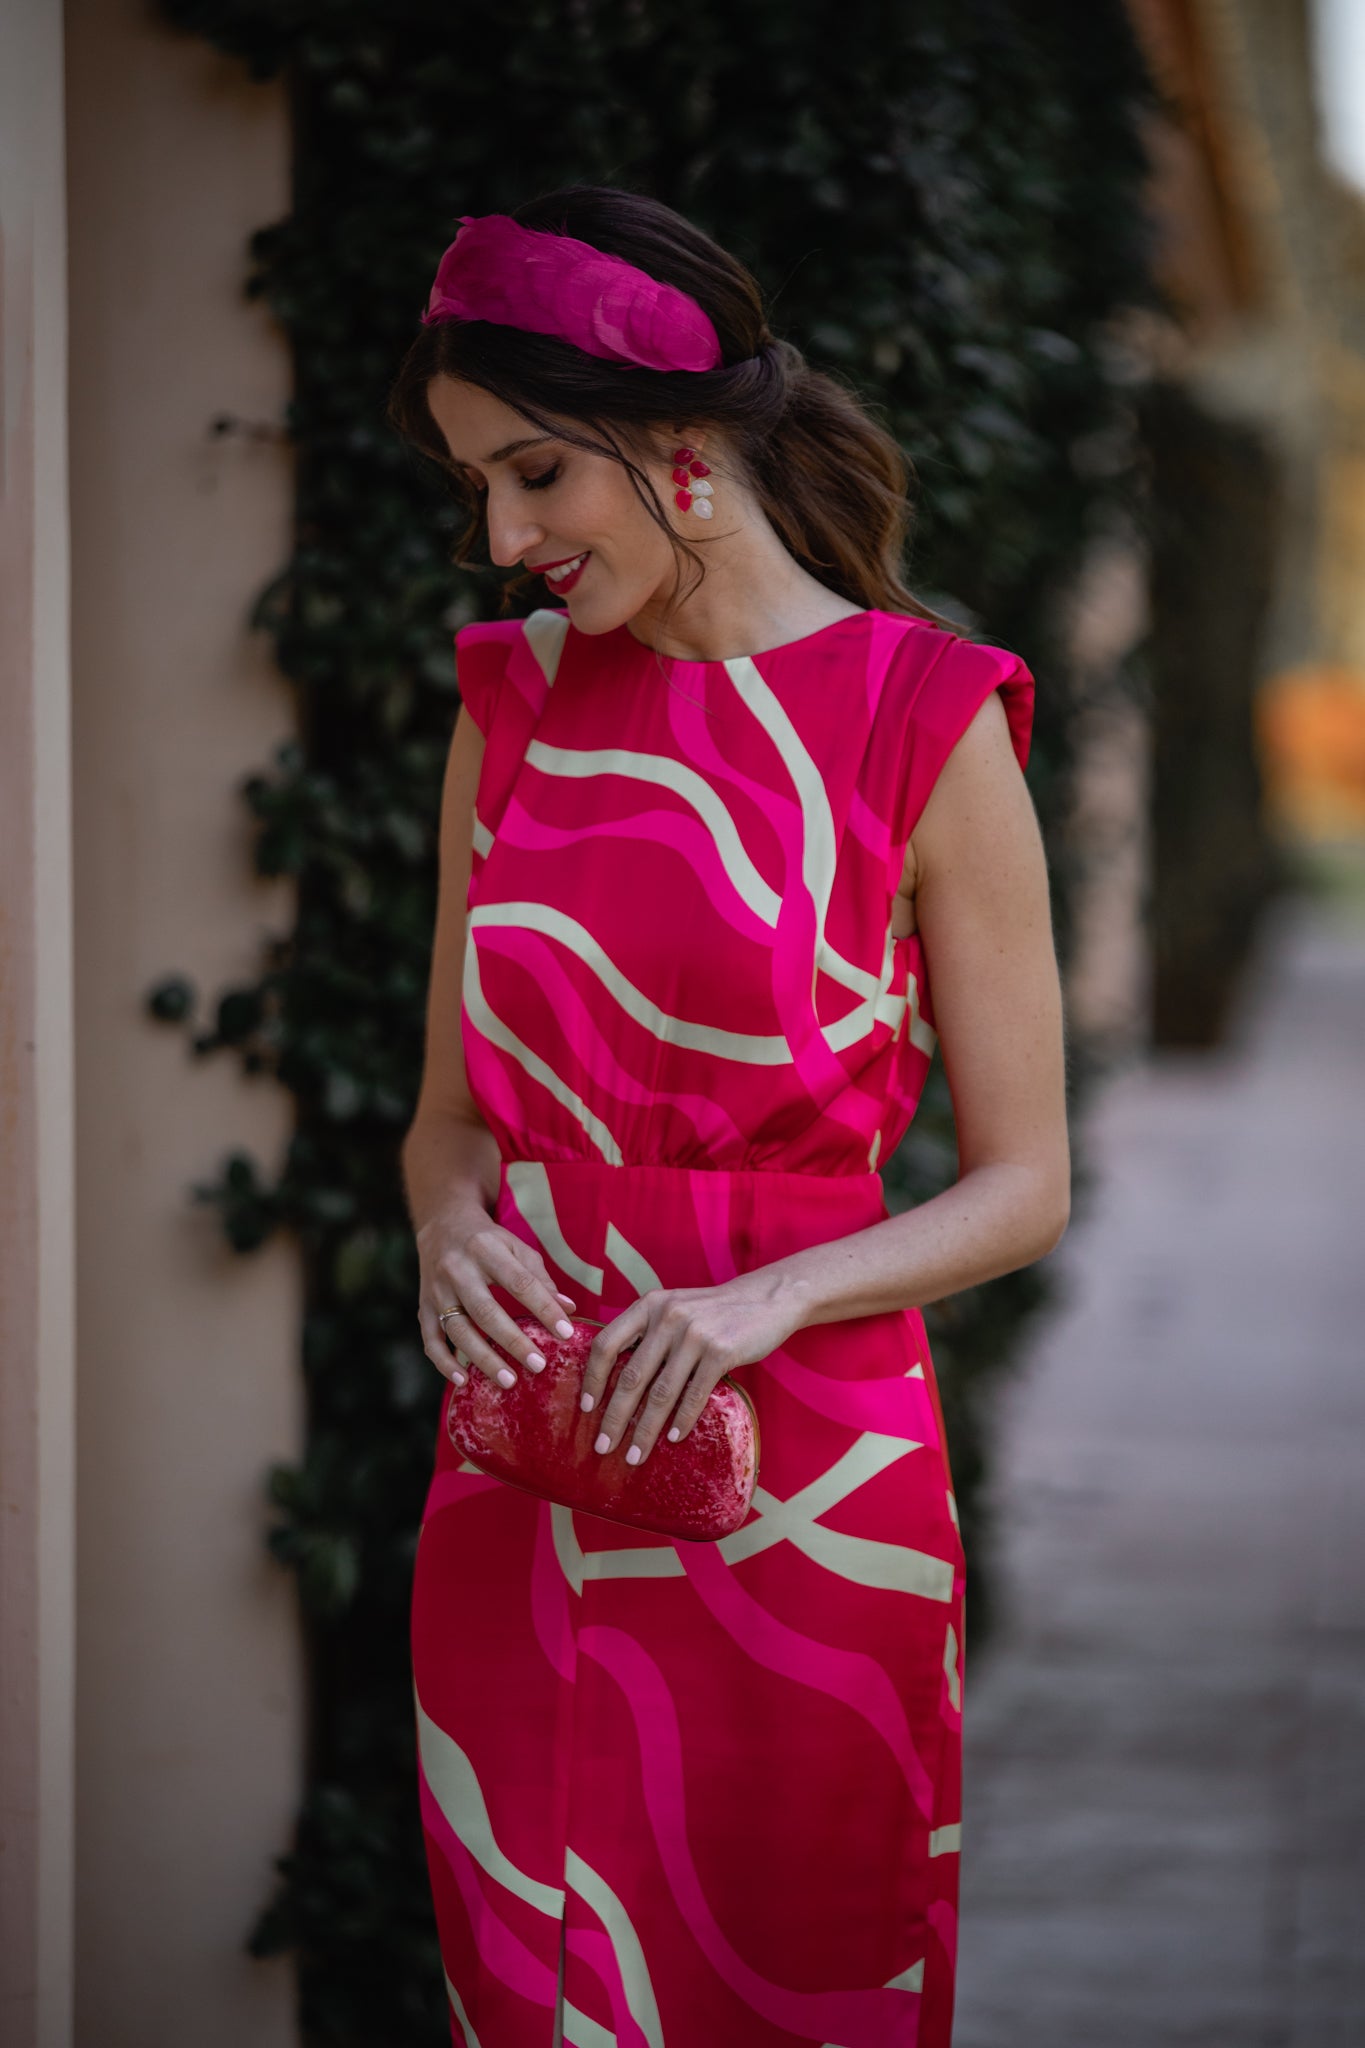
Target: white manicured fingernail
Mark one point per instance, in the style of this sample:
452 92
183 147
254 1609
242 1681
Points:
563 1328
634 1455
673 1435
506 1377
535 1361
603 1442
457 1379
587 1404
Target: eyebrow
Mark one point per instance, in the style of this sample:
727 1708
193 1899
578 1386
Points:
515 448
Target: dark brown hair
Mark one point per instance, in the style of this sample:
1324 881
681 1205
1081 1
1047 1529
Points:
832 483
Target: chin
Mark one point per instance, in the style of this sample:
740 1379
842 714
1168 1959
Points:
592 618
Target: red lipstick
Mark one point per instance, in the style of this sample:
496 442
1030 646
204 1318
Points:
560 584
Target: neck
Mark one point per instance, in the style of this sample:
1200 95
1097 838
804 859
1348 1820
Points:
755 595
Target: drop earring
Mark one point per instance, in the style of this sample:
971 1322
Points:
694 492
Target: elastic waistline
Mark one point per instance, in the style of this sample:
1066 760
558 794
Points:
605 1166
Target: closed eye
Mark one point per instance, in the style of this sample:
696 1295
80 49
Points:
528 483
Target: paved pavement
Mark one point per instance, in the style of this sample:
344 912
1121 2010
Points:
1164 1832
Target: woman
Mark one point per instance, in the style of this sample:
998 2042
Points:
704 843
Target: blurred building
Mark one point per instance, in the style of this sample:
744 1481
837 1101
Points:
1259 188
1244 595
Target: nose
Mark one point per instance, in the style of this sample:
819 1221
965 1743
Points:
511 535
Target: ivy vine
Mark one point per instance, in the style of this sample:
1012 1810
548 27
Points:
943 203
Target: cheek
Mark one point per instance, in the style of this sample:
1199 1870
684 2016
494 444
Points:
611 509
642 543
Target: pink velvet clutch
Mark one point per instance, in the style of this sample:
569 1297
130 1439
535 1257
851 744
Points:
535 1436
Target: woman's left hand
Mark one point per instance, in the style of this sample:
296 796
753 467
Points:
686 1338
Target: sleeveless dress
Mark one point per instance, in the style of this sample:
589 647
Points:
695 1794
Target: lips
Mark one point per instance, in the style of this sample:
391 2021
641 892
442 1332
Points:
564 578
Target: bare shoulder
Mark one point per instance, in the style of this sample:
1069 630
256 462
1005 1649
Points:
979 813
979 789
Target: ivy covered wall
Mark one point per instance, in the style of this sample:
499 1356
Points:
942 200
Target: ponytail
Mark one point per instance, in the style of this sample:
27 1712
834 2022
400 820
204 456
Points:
834 486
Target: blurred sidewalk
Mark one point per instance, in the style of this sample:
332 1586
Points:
1164 1832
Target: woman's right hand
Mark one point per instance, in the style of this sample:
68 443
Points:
462 1255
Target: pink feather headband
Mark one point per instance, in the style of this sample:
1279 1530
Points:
497 270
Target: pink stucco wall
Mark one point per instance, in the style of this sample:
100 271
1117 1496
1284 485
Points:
189 1721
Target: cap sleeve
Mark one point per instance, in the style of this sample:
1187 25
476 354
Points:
950 692
481 651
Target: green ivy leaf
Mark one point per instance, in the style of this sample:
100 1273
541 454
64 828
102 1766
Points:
172 999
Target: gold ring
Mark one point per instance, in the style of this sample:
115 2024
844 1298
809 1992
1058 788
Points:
444 1318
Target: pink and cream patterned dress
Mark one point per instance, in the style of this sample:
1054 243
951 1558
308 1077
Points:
704 1795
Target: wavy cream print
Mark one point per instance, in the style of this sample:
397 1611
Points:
681 1793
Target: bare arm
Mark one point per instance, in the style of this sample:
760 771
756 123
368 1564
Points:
450 1157
985 919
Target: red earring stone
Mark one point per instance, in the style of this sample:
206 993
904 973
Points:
689 473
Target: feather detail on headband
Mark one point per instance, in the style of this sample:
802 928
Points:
497 270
